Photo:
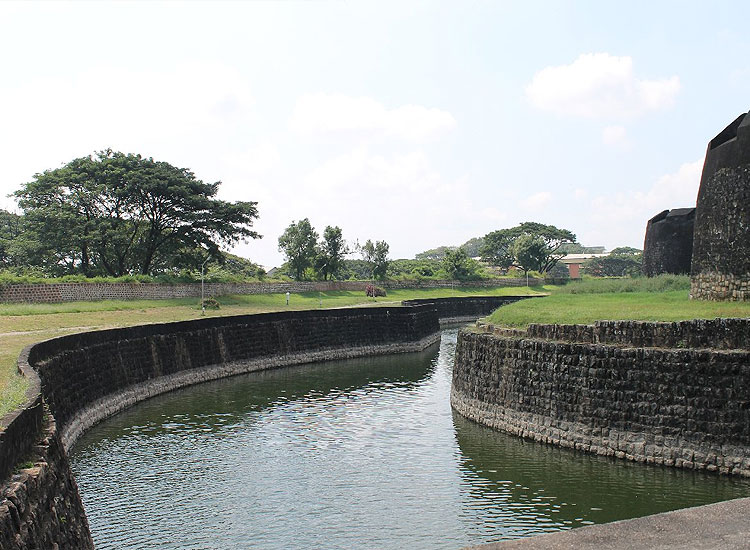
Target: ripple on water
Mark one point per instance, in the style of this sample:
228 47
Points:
355 454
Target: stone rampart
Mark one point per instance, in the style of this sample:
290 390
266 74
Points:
721 242
469 308
87 377
668 246
72 292
675 394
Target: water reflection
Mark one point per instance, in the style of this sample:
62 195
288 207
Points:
516 487
352 454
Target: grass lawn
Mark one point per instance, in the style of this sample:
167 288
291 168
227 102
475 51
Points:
570 309
24 324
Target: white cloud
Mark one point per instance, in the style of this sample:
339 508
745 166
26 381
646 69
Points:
537 200
599 85
367 118
615 135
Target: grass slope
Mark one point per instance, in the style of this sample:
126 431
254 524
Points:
571 309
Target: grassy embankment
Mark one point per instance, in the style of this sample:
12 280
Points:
660 299
24 324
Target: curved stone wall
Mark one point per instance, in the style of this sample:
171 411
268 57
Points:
465 309
721 244
86 377
668 246
592 388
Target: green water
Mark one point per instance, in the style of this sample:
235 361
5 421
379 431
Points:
353 454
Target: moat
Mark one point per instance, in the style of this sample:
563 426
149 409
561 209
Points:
357 454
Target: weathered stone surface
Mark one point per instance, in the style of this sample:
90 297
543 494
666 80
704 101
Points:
668 246
658 393
465 309
721 245
40 506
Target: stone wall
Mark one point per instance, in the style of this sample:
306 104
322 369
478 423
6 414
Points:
668 246
721 244
609 390
71 292
458 309
39 505
87 377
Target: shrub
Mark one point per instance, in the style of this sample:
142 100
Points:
374 291
210 303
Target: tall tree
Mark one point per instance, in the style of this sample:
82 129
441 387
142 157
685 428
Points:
10 232
298 245
331 252
529 252
114 214
458 265
541 247
496 247
376 255
553 239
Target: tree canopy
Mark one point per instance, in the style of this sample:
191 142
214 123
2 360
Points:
298 243
496 249
458 265
117 214
330 253
10 231
621 262
530 245
472 247
376 255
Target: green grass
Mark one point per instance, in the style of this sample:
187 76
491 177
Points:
82 307
571 309
662 283
24 324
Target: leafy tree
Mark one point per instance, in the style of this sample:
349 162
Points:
472 247
531 245
119 214
10 232
458 265
530 252
356 269
238 267
331 251
625 251
298 243
615 265
553 239
434 253
560 271
496 248
376 255
578 248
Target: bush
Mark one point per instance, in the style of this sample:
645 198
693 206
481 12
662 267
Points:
210 303
374 291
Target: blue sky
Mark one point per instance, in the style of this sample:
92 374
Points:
420 123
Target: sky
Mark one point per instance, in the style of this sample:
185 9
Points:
418 123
